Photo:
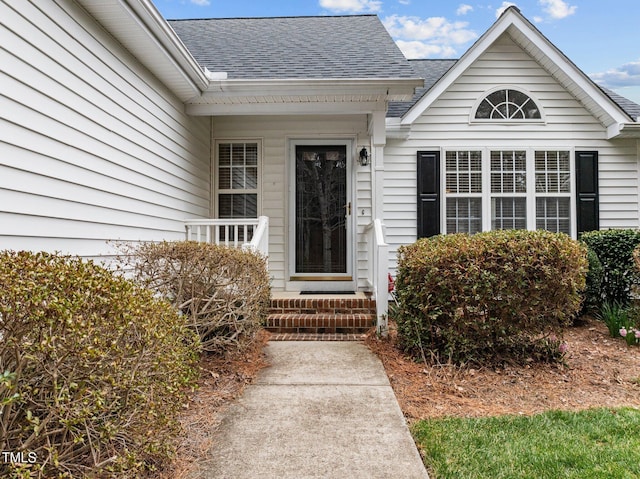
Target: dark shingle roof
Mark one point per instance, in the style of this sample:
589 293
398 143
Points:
355 46
431 71
630 108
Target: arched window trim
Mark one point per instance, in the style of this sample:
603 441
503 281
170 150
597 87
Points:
487 93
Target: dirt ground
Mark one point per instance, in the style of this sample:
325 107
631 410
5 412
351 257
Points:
599 371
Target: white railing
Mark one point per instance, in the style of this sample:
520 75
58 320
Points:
377 272
251 233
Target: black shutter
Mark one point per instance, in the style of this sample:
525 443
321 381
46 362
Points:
588 211
428 193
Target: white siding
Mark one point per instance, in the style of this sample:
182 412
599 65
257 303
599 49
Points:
567 125
275 133
92 146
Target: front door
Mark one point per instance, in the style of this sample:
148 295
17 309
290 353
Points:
321 214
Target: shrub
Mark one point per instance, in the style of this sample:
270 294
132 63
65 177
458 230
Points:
95 369
490 296
223 292
614 249
592 294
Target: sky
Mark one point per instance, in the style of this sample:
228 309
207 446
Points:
602 37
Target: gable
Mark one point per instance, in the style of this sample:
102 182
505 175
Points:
523 34
506 65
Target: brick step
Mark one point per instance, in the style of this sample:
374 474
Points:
306 305
320 323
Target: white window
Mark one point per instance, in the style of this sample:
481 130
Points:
507 104
508 190
553 191
489 189
464 191
237 179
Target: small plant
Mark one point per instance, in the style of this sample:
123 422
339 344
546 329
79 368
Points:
616 317
630 335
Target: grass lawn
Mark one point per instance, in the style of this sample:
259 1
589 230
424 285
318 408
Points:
592 444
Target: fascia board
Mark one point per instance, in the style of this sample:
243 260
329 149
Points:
169 39
394 89
139 26
284 108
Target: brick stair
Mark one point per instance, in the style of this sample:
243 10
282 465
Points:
321 315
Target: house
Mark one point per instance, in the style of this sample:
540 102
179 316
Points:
313 138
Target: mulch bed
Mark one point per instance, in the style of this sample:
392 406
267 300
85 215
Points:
599 371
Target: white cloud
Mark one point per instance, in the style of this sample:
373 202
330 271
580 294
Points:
624 76
557 9
351 6
463 9
430 37
418 49
503 7
404 2
201 3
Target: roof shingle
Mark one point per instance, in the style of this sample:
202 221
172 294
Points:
431 71
329 47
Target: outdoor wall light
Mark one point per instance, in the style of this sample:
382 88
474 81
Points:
364 157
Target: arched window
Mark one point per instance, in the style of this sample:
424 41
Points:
507 104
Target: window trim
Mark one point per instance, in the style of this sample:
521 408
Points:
530 194
216 191
493 121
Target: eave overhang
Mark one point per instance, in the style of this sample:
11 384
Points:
624 130
142 30
302 96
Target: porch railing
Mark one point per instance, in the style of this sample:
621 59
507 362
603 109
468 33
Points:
377 272
249 233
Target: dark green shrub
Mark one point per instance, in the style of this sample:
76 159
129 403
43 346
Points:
592 295
488 297
95 369
223 292
614 249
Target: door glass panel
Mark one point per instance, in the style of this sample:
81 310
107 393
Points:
321 209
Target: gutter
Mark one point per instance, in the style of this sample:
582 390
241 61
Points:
624 130
395 89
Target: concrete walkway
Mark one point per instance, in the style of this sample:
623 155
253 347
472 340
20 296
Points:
321 410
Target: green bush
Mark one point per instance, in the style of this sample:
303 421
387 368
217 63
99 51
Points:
488 297
614 249
592 294
95 369
223 292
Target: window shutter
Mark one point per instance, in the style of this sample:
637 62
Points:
588 214
428 169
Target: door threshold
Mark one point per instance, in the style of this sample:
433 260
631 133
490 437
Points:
327 292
